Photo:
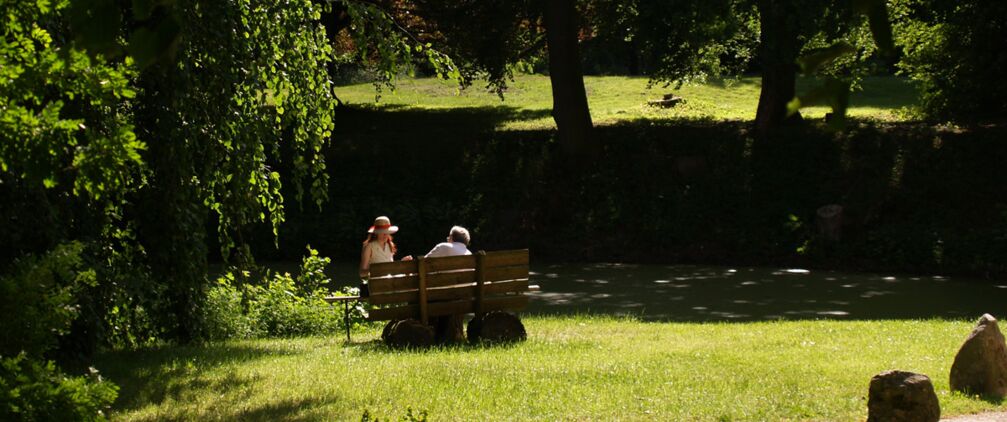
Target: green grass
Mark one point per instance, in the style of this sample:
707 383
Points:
616 99
572 368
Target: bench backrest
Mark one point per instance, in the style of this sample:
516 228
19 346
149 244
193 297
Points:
427 287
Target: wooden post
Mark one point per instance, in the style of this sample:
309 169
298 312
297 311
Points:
422 269
480 282
346 319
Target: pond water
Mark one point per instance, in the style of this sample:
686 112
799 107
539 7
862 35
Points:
706 293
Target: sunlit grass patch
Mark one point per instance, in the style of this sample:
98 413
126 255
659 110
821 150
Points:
572 368
615 99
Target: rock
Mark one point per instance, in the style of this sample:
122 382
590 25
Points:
980 367
902 396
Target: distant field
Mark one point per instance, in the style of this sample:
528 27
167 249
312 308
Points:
619 98
571 368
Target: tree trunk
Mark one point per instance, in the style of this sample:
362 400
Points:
570 109
778 39
170 217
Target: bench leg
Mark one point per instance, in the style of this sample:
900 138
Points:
346 319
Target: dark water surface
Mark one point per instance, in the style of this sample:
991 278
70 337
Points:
701 293
698 293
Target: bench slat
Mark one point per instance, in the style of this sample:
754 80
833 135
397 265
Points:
512 302
410 283
451 278
450 293
383 285
442 263
506 273
506 258
396 267
392 284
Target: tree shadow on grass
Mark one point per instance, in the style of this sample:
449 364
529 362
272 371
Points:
152 376
361 125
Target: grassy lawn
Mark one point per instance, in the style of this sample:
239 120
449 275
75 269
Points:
619 98
572 368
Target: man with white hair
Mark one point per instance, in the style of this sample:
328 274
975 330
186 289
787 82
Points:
457 244
450 328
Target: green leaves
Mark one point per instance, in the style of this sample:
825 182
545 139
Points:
95 25
150 43
63 115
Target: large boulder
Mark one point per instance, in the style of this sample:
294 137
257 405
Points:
902 396
980 366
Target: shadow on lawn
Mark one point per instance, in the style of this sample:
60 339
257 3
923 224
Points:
378 346
152 376
700 294
411 124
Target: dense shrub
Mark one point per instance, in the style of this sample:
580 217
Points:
277 305
38 300
954 49
34 391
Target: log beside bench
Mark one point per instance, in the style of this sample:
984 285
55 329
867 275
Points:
413 293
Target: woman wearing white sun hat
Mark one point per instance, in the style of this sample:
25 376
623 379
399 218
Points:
379 246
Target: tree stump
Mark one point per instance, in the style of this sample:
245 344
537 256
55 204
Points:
408 334
830 221
496 327
666 101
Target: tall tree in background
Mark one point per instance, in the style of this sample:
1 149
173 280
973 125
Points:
570 109
482 39
684 40
780 41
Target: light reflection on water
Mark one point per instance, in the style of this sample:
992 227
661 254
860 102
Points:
701 293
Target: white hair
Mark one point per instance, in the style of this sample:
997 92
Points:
459 234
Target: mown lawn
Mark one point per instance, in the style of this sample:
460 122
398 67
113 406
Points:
615 99
572 368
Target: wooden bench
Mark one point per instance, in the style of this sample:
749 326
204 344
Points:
412 294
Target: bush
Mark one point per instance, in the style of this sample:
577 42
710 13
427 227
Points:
280 305
957 61
281 312
226 311
31 390
38 300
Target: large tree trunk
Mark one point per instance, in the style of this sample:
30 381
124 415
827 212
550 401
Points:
170 217
779 44
570 109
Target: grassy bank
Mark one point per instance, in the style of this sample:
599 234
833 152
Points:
615 99
578 368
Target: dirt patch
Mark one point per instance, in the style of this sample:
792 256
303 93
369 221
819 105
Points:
979 417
